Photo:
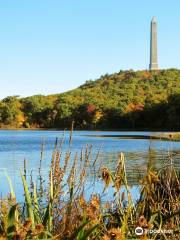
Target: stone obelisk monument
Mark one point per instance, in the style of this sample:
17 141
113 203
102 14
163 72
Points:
153 46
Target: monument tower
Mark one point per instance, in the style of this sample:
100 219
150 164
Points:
153 45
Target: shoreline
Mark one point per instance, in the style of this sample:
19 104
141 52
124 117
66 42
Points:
163 137
162 134
97 129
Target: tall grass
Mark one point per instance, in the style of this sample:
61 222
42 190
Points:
61 209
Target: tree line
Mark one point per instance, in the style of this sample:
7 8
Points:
124 100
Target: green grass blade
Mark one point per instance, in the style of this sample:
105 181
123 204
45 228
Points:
47 221
12 219
10 185
28 200
78 231
88 233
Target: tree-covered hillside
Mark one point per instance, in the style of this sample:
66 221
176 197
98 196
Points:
128 99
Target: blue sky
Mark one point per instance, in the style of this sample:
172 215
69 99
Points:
51 46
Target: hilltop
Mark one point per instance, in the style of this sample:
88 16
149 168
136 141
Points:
123 100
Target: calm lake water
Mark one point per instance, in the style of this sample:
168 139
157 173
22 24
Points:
15 146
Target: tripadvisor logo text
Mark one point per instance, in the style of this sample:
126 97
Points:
140 231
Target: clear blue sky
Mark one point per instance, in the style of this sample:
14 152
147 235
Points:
50 46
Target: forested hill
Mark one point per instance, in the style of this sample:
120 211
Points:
123 100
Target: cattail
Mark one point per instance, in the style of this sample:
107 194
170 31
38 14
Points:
27 224
106 176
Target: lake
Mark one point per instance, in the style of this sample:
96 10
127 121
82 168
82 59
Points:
17 145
